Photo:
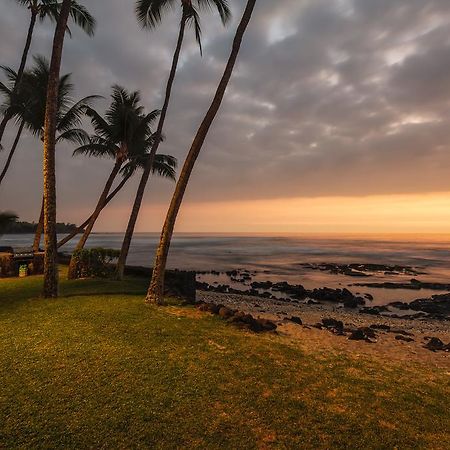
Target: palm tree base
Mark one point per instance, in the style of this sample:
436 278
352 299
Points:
155 299
72 272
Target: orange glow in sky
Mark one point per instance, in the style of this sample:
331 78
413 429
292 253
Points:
428 213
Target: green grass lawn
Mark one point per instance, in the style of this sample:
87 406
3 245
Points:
99 369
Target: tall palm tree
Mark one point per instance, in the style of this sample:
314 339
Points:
124 133
40 10
49 169
30 103
156 290
163 166
149 13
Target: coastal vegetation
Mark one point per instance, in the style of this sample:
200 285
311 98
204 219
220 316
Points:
6 219
23 227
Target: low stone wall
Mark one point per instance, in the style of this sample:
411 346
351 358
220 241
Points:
10 268
177 282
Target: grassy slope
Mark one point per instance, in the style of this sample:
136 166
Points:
106 371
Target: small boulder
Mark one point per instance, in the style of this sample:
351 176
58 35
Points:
296 320
371 311
435 344
351 302
357 335
400 337
225 312
333 323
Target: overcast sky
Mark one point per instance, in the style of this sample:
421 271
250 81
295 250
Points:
344 100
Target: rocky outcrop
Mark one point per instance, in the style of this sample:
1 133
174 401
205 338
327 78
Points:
239 318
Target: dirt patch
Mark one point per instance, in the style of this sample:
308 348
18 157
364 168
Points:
185 312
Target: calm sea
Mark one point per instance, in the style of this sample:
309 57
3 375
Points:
277 258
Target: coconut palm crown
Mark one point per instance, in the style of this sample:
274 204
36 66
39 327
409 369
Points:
30 101
150 12
124 131
43 9
27 106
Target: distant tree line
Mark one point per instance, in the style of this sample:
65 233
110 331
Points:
31 227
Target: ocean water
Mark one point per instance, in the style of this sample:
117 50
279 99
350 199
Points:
278 258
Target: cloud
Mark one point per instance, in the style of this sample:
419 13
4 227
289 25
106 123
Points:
345 98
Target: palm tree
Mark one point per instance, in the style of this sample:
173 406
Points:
156 290
124 133
16 104
149 13
41 9
163 166
6 218
29 109
33 90
49 170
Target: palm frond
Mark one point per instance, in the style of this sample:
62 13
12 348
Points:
101 126
222 6
193 19
73 116
78 13
149 12
96 149
163 166
75 136
83 18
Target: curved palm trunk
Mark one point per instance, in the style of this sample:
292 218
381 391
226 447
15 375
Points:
148 168
80 229
8 116
98 209
50 258
156 289
39 230
12 151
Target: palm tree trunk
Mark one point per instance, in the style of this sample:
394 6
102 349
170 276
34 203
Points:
49 170
80 229
98 209
148 168
156 290
12 151
39 230
8 116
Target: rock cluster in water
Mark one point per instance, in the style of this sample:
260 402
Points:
362 270
437 307
294 292
413 284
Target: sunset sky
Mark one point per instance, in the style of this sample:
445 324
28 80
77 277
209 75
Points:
336 119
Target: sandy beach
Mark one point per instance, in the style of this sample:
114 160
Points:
311 339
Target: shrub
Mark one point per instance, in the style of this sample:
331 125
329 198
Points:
95 262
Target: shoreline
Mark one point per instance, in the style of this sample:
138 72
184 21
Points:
384 345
